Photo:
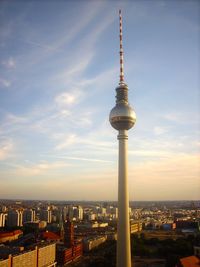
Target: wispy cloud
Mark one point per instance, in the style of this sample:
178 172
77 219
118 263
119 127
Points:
78 67
6 149
182 118
92 142
69 140
87 15
68 98
66 32
11 118
85 159
40 45
4 83
9 63
12 123
158 130
41 168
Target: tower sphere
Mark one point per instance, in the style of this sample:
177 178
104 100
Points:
122 116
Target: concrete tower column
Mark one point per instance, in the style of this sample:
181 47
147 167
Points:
123 227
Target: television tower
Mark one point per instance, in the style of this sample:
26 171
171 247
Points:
122 118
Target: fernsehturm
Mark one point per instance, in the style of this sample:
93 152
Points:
122 118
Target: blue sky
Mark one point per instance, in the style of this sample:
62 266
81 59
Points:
59 66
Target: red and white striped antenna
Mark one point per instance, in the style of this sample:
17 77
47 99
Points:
121 52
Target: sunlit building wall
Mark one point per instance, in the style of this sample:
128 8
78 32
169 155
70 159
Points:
39 257
2 219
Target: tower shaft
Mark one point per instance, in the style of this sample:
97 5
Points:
123 226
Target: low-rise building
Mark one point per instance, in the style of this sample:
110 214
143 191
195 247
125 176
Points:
51 236
95 224
10 236
65 255
135 227
168 226
188 225
191 261
34 227
42 256
90 243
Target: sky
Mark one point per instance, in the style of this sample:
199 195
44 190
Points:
59 67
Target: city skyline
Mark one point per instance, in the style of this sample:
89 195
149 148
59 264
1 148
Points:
57 81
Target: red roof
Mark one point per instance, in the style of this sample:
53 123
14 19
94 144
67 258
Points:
191 261
50 235
12 233
15 232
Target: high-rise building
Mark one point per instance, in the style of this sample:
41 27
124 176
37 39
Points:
65 213
68 234
2 219
29 215
75 213
71 213
114 213
91 217
79 211
46 215
101 213
61 225
14 218
122 118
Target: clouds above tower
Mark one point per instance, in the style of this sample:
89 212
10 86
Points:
59 66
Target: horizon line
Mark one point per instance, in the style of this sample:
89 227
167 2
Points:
169 200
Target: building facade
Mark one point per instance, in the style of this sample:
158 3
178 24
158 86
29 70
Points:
15 218
28 215
2 219
68 234
44 256
46 215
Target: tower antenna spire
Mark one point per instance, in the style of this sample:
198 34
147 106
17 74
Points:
121 51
